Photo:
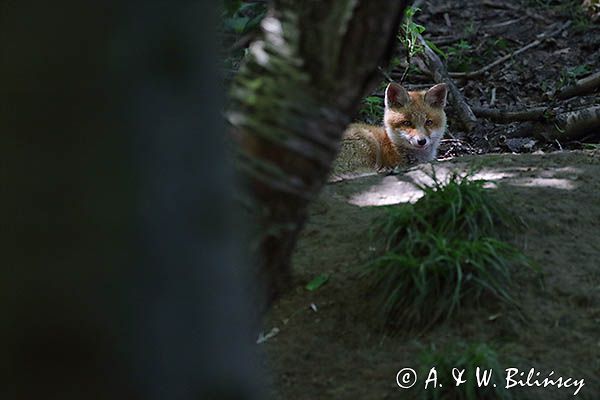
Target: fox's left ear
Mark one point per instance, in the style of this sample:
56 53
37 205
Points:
436 96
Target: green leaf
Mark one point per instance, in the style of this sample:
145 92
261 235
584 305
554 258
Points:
579 70
374 100
463 45
317 282
419 28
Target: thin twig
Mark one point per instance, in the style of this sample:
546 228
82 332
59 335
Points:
505 23
493 99
385 74
558 143
403 77
500 60
447 20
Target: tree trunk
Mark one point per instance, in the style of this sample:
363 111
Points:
301 85
121 271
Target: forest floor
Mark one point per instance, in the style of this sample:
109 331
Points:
473 34
326 347
334 352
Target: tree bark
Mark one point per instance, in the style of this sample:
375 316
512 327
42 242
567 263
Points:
299 88
440 75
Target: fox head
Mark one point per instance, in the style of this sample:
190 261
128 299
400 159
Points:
416 120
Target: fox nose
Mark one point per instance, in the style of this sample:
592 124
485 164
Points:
422 142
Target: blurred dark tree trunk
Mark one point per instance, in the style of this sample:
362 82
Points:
120 273
301 85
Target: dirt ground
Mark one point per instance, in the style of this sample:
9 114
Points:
330 350
334 353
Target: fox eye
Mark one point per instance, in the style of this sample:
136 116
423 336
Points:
406 123
428 122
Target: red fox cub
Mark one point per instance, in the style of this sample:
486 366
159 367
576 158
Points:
413 125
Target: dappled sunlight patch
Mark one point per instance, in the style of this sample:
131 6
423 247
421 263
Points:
554 183
493 175
556 178
403 188
390 190
562 170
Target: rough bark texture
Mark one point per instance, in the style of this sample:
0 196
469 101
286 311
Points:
440 75
575 124
549 126
299 88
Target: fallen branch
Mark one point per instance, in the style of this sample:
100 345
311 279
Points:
505 117
547 124
440 75
575 124
541 38
583 86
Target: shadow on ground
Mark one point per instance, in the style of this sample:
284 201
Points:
326 348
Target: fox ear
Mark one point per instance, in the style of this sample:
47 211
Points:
436 96
396 95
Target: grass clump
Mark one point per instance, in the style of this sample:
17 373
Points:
465 358
440 253
372 109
